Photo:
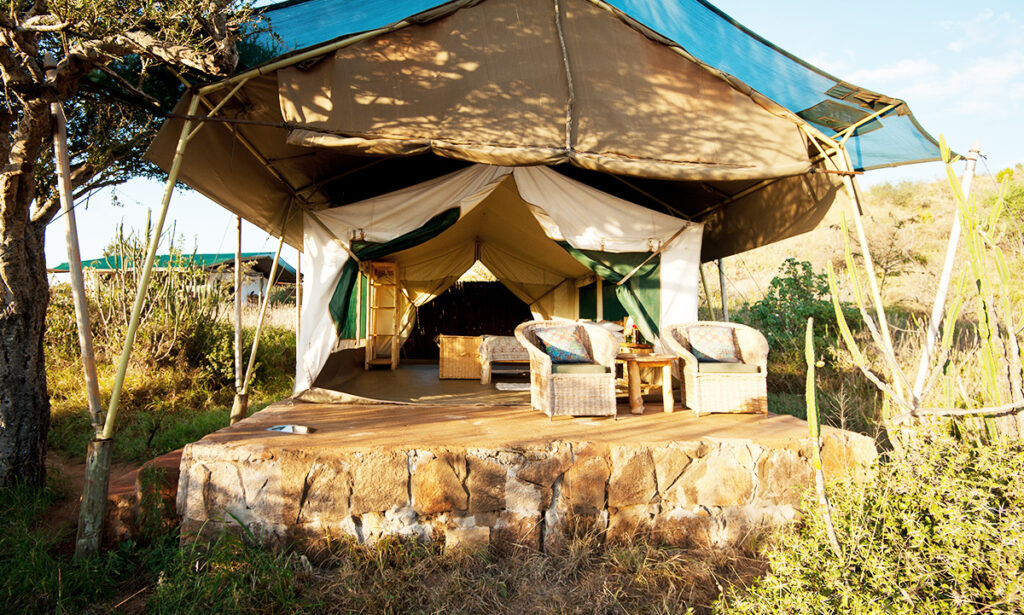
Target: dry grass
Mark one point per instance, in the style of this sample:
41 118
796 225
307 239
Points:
585 577
908 227
280 315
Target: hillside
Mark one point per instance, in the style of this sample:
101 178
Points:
908 225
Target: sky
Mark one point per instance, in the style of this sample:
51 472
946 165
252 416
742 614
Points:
959 66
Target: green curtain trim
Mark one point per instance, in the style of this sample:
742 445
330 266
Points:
342 306
640 296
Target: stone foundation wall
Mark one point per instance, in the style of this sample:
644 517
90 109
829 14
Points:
697 494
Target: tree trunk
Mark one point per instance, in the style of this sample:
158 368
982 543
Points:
24 295
24 403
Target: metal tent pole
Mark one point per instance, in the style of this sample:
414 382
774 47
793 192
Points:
721 286
298 296
259 321
240 405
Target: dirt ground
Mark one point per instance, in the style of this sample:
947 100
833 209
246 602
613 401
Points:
62 518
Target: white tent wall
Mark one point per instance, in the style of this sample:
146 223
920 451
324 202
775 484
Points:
509 243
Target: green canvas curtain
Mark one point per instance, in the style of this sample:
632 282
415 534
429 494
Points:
640 296
342 306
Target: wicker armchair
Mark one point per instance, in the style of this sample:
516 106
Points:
555 389
723 387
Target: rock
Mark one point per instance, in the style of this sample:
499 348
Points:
379 481
625 524
486 484
517 529
683 528
723 478
632 481
437 485
669 463
525 498
543 466
585 483
325 496
846 454
782 477
467 539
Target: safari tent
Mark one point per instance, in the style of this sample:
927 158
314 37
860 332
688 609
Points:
585 151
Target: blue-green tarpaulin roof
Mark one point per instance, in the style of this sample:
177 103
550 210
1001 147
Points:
694 25
204 260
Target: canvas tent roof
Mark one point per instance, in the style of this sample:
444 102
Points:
508 83
696 26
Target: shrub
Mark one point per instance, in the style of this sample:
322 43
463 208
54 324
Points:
936 531
795 294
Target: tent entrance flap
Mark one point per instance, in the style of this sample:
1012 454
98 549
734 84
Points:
343 308
640 296
541 234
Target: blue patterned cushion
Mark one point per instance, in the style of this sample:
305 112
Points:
563 344
713 344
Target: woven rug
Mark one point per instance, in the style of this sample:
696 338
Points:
512 386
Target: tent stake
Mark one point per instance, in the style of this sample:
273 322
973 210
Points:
935 320
721 286
147 270
94 489
240 405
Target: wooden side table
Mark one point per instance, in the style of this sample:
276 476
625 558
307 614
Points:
633 364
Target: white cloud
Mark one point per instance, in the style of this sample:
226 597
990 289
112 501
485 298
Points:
900 72
984 29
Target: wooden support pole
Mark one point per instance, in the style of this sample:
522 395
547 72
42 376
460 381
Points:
93 509
147 270
932 333
240 405
721 286
599 286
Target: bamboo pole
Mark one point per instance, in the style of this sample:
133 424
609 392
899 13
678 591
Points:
707 295
94 488
721 285
259 321
240 405
140 296
63 164
932 333
869 266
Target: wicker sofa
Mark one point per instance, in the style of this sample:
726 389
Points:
571 389
722 387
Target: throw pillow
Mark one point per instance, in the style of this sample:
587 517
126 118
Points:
713 344
563 345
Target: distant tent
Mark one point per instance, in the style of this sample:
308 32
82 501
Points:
260 261
553 141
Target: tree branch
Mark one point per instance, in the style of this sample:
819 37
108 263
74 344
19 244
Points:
994 411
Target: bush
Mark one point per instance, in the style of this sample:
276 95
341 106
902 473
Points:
794 294
936 531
